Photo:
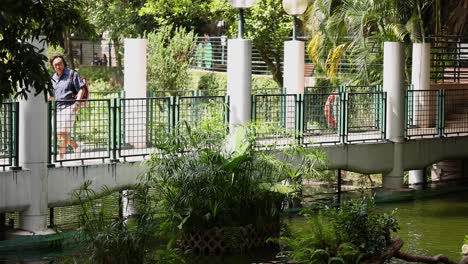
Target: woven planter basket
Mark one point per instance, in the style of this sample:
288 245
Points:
224 240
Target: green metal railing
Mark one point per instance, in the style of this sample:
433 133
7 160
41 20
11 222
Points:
83 135
365 116
120 128
436 113
320 118
9 119
143 121
275 115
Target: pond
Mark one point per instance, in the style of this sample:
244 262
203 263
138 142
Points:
433 226
428 227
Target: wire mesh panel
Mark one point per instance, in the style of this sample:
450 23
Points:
455 112
82 134
422 108
68 217
200 111
276 118
6 134
142 121
365 116
322 119
135 124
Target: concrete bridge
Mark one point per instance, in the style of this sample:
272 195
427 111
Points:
385 131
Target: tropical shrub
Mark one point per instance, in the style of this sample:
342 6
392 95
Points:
203 178
348 234
114 240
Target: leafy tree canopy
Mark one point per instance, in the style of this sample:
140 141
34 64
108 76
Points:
265 23
21 64
118 17
191 14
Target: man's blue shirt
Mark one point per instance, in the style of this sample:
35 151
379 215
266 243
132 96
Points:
64 88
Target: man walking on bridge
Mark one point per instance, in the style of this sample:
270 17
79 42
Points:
67 88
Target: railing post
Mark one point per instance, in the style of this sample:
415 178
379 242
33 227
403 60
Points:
15 136
49 135
174 115
440 112
383 118
149 122
342 125
226 110
253 114
113 111
54 131
299 117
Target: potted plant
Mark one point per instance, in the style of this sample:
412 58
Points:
219 193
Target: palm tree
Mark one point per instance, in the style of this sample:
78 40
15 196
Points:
353 31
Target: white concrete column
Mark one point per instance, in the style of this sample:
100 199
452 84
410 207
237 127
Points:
394 178
393 84
239 81
135 87
293 76
33 156
416 179
420 79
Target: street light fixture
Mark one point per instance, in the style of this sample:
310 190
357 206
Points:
241 5
295 8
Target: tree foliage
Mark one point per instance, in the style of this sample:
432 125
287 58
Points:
265 23
195 15
120 18
21 64
268 27
169 58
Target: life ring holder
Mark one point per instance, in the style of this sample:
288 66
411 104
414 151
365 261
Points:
328 110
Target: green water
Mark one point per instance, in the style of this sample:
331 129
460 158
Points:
433 226
428 227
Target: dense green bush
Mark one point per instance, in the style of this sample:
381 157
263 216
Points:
348 234
94 75
205 80
169 59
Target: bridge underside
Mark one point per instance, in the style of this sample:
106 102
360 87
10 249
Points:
363 158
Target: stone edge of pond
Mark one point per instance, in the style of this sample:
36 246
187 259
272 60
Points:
402 195
36 242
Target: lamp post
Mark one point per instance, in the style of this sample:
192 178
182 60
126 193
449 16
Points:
293 74
239 71
294 8
294 50
241 5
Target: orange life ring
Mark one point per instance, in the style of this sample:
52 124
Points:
328 110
